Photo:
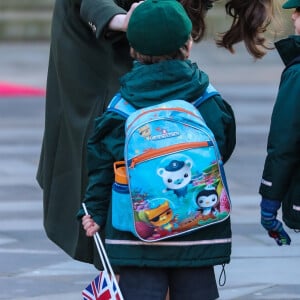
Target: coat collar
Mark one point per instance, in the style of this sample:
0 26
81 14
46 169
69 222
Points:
288 48
147 85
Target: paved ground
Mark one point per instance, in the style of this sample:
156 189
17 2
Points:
31 267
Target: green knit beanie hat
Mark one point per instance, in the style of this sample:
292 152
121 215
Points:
158 27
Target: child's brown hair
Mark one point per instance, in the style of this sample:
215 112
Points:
181 54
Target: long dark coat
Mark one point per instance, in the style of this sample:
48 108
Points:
85 64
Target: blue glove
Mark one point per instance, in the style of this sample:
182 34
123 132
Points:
274 227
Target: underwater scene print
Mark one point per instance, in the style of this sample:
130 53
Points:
182 194
175 173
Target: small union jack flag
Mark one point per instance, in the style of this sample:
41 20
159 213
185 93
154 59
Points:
99 289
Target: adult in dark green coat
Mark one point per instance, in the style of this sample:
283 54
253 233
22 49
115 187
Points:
85 63
88 53
280 185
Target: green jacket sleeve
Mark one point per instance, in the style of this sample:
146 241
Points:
220 118
105 146
98 13
284 138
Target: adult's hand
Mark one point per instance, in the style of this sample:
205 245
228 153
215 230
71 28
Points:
120 22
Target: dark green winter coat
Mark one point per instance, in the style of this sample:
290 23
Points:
281 174
145 85
85 64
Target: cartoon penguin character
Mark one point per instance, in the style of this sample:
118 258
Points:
207 201
176 176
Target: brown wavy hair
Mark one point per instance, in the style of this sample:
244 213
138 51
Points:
196 10
250 20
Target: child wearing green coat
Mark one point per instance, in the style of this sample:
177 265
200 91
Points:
280 185
159 32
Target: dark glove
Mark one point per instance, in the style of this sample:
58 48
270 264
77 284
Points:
274 227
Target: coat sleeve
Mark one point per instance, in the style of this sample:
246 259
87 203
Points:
220 118
98 13
283 146
105 146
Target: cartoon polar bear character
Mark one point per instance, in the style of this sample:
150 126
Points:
176 176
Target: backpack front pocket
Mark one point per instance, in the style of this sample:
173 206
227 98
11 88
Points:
177 189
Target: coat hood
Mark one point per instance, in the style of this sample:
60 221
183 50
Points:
171 79
288 48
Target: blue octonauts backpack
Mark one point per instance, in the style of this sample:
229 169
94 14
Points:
172 180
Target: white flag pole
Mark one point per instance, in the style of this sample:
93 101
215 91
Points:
105 261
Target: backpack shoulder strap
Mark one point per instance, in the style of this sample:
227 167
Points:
209 92
120 106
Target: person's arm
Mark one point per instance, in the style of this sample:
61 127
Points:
284 138
220 118
105 146
120 21
100 178
105 15
283 155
